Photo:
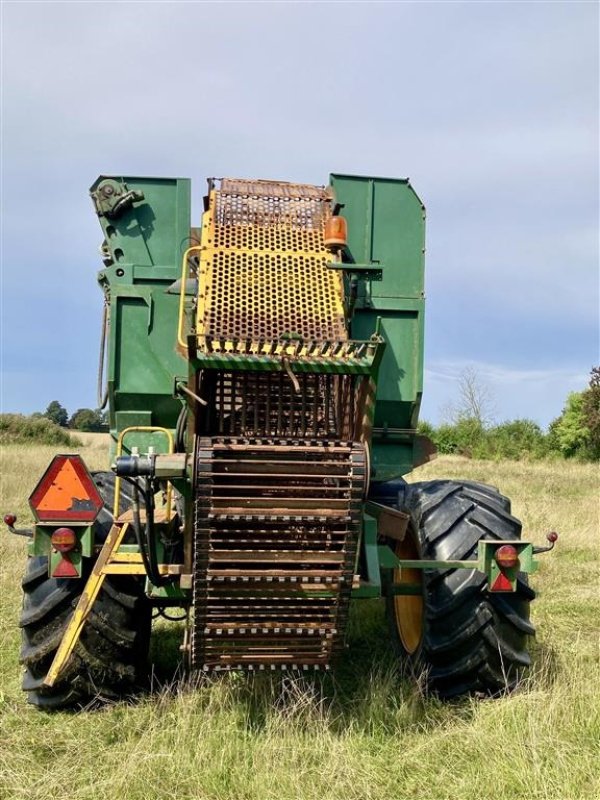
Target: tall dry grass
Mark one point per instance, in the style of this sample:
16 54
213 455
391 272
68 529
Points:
362 733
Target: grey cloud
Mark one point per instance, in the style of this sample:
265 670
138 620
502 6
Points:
491 109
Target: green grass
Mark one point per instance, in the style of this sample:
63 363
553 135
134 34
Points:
364 732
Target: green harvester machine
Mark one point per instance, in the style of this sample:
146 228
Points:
263 374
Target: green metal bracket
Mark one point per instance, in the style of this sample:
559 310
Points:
366 272
112 197
387 558
498 579
372 586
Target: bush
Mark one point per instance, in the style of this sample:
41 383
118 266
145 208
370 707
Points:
519 438
462 438
516 439
19 429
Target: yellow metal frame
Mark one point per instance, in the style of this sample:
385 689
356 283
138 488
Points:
119 451
184 276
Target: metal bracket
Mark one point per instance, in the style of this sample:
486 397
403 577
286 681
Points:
366 272
112 198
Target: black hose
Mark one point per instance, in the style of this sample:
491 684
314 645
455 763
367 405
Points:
146 543
161 612
153 573
180 429
135 507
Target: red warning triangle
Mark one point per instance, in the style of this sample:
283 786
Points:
502 584
65 569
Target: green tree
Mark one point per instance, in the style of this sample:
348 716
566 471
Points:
86 419
569 433
57 414
591 412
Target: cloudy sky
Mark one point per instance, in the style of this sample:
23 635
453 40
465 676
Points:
490 108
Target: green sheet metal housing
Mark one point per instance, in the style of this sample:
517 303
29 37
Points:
386 228
143 248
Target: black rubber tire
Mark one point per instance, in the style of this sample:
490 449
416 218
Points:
110 660
474 641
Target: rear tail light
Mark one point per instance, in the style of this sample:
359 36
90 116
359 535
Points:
507 556
64 540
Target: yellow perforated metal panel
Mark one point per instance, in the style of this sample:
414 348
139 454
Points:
263 271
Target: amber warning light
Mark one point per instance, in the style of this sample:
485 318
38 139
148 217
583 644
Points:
66 492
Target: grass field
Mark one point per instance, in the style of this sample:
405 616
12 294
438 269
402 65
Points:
360 734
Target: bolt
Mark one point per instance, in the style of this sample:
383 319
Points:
108 190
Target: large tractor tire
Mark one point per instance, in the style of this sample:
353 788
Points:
110 660
461 637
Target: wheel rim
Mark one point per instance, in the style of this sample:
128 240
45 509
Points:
409 608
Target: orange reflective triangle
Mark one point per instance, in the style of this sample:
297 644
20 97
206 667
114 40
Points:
66 492
65 489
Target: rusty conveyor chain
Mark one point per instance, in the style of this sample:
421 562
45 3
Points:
271 589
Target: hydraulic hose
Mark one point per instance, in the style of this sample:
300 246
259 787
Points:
153 573
146 542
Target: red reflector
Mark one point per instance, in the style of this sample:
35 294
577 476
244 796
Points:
63 540
502 584
506 556
10 519
65 569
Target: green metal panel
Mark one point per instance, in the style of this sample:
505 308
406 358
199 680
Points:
143 248
386 228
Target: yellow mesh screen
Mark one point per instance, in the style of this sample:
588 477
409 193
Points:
263 269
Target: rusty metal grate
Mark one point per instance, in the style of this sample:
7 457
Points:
276 536
267 404
263 270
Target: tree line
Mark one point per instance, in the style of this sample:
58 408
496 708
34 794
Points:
84 419
470 430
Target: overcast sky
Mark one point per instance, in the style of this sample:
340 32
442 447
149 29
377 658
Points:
490 108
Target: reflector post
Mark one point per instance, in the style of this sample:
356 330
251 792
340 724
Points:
66 493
